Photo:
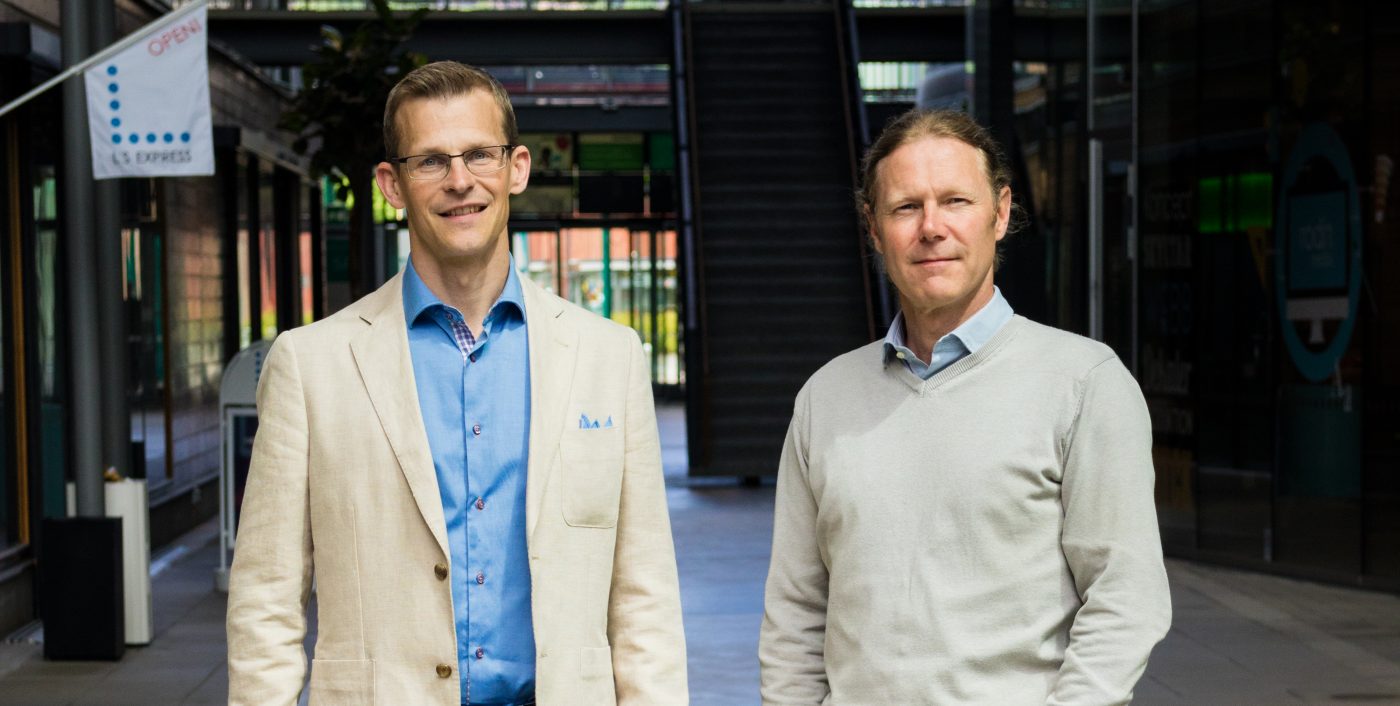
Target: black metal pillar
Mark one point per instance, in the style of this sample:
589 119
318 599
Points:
287 244
1021 275
85 440
111 319
255 257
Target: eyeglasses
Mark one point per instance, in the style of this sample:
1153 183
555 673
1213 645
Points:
480 161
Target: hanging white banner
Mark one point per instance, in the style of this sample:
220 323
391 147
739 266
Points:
148 105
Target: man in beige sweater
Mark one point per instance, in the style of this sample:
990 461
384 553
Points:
964 509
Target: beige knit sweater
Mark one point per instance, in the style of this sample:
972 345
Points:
987 536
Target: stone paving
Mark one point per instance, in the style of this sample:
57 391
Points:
1238 638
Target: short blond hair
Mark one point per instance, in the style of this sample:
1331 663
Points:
444 79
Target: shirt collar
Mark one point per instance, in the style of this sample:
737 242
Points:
417 298
972 334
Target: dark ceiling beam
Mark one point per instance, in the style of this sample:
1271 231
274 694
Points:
626 118
938 35
286 38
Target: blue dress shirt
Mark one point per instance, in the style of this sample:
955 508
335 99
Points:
957 344
474 393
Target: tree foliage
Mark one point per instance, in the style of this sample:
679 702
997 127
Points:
338 113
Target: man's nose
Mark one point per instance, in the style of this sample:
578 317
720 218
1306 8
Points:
934 225
458 177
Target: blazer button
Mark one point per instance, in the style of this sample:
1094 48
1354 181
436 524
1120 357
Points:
440 571
444 671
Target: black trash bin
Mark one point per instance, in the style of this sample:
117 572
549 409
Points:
80 589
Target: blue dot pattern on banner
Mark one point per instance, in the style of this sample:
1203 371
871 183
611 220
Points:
135 138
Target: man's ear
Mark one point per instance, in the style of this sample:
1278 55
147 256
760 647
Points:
519 169
387 177
1003 211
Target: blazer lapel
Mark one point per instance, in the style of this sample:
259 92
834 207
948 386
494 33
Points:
386 366
552 356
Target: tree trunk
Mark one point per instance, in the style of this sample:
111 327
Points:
364 276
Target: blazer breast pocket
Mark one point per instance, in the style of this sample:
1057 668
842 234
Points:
591 461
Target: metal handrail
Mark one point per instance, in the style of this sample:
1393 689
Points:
857 137
688 228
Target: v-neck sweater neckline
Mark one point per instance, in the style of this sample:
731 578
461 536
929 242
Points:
957 368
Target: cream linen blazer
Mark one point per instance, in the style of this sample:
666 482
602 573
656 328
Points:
342 490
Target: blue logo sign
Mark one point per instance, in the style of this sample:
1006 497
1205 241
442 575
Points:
1318 273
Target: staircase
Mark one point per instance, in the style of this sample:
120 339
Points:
782 285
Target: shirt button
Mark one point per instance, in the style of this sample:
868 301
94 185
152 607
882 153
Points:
480 653
476 429
440 571
480 504
899 355
480 578
444 671
472 357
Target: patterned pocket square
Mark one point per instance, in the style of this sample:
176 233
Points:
585 423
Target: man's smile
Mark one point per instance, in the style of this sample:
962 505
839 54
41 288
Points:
463 210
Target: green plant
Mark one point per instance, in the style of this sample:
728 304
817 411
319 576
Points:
338 115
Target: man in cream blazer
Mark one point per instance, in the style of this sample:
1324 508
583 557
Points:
345 487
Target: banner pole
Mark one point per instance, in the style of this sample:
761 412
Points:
84 360
101 56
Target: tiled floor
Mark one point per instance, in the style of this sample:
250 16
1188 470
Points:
1238 639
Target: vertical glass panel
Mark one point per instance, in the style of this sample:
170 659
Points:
244 277
304 276
1381 331
1320 120
536 257
141 251
267 252
584 279
53 450
667 339
1168 195
626 275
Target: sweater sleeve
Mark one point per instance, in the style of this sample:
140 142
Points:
1110 541
791 641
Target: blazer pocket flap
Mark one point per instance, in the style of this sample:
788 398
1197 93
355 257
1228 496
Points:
342 682
591 463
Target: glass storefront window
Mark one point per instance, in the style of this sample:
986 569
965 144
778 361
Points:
625 274
267 252
53 450
243 276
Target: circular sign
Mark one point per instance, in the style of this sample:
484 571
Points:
1317 272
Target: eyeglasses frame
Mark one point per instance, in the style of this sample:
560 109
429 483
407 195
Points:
509 149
